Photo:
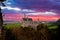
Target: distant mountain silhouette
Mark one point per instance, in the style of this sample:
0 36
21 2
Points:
9 21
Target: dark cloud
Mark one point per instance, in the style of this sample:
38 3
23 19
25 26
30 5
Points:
44 5
38 5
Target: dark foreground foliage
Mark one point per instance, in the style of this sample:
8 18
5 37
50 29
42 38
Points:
28 33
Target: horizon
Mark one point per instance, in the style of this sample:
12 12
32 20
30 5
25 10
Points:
18 17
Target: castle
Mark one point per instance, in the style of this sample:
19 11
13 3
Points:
29 22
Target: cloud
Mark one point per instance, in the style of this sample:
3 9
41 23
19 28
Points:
17 9
10 8
40 5
42 13
29 12
9 3
37 5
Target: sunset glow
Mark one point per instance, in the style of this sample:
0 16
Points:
44 10
18 17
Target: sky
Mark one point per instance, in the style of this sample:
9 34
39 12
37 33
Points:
44 10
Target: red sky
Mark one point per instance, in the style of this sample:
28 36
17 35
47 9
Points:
18 17
18 6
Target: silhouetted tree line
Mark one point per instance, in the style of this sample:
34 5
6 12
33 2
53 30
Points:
28 33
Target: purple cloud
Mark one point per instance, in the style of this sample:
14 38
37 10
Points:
44 5
37 5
